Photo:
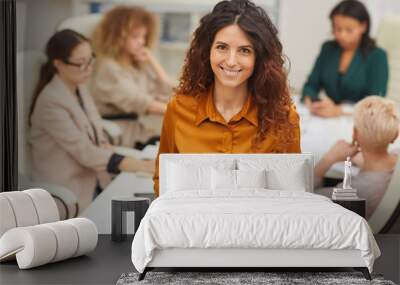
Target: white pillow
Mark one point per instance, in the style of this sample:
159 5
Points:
187 174
183 178
223 179
236 179
280 180
251 178
282 174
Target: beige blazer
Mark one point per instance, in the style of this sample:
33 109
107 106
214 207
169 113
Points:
62 141
121 89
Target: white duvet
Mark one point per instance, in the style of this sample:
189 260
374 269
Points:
252 218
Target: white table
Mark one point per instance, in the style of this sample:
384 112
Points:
125 184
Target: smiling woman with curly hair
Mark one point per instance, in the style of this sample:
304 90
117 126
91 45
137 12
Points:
233 95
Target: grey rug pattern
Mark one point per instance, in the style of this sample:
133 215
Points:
243 278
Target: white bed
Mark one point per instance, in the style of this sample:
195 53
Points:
203 220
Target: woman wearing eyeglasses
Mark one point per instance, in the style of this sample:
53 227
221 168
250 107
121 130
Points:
66 136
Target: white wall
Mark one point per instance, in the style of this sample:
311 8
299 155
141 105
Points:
303 26
40 19
379 8
36 22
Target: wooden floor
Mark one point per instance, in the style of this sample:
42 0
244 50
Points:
111 259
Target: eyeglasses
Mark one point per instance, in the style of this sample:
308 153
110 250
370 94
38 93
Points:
82 66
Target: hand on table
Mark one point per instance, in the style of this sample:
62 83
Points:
307 102
324 108
130 164
157 107
147 166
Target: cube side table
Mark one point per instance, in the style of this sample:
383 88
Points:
119 207
358 206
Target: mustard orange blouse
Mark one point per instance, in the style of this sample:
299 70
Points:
192 124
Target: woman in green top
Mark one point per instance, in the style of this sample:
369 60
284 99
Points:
348 68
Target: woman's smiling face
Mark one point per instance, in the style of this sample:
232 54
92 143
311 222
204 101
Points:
232 57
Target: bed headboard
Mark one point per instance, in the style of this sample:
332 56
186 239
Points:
286 163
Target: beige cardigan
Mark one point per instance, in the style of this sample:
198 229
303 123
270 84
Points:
121 89
63 142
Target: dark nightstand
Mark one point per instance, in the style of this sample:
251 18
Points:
119 207
358 206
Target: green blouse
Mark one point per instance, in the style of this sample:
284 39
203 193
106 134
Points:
366 75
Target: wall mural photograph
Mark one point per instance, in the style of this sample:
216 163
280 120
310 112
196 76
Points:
153 123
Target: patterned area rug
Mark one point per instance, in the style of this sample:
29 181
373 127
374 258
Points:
242 278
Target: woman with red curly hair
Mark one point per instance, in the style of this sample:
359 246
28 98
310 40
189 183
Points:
233 95
128 81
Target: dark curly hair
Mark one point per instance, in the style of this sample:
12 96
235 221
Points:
267 84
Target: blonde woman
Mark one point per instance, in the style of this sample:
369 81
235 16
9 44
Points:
128 80
376 125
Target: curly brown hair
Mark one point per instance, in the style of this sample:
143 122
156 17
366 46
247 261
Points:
112 32
267 84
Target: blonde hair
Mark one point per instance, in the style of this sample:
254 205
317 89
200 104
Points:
377 120
111 34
